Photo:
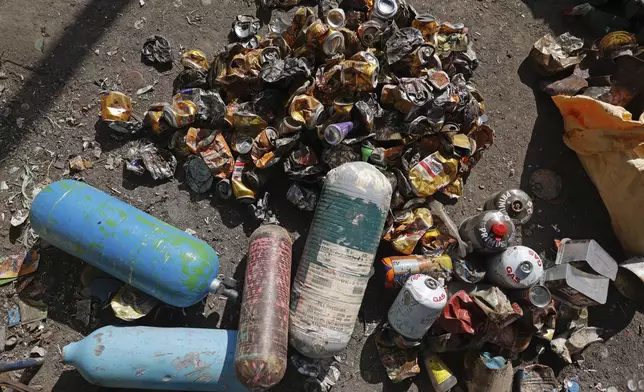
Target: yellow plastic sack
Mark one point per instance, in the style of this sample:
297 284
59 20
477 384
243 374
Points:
610 146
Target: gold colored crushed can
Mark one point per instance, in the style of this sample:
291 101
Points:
194 59
115 106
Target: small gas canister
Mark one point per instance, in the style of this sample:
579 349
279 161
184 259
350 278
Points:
514 202
519 267
417 306
488 232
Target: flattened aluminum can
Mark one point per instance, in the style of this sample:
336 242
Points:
417 306
115 106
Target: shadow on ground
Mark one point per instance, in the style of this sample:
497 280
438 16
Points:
60 65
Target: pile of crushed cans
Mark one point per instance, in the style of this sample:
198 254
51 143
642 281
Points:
368 100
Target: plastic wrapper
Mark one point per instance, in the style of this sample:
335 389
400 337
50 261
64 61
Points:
160 163
552 55
432 174
399 363
409 228
19 265
496 306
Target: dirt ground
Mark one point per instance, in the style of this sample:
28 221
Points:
56 54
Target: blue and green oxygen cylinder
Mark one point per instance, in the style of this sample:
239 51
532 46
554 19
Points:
125 242
185 359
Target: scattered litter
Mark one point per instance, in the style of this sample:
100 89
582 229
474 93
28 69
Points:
145 90
130 303
31 310
18 218
13 317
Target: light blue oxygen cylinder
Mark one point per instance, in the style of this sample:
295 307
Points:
125 242
184 359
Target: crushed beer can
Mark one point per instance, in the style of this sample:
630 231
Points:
261 152
218 157
195 59
432 174
359 75
156 50
537 296
241 192
428 25
384 9
552 55
224 189
306 109
336 18
115 106
246 26
180 114
402 43
154 120
370 33
335 133
198 176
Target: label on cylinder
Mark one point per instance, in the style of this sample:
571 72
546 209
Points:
417 306
342 280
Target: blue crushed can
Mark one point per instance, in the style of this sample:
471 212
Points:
125 242
186 359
